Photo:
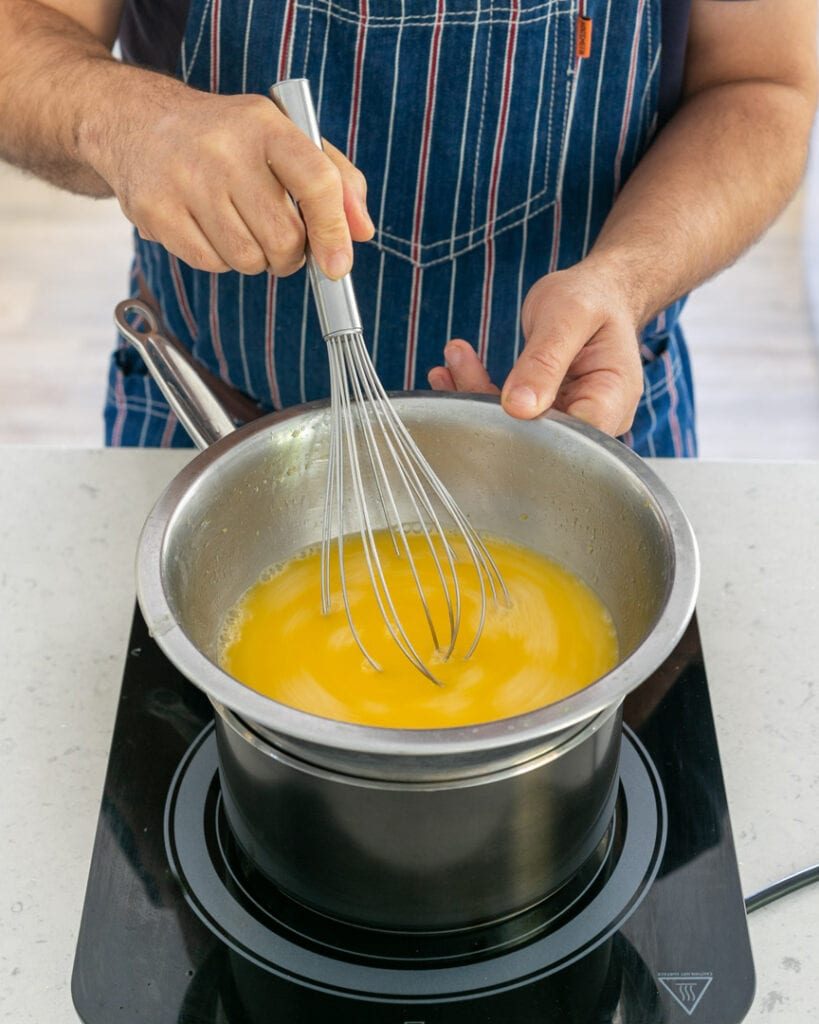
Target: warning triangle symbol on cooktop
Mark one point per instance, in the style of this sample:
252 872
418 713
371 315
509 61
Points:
686 989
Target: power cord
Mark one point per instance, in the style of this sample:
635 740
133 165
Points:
784 887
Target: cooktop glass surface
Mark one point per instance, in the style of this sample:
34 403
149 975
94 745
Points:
178 928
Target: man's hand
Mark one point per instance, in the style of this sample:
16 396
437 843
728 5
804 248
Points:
581 354
207 176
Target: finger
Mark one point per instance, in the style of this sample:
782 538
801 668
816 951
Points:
597 399
553 339
467 371
440 379
605 382
354 185
183 237
267 210
314 182
230 236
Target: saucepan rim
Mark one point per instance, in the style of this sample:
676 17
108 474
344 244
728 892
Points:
377 740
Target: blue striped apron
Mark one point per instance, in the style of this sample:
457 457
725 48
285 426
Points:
493 155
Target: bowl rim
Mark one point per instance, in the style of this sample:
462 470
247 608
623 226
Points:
379 741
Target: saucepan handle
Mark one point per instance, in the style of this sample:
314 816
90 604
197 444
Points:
198 409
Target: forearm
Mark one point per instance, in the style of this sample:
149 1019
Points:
62 96
713 180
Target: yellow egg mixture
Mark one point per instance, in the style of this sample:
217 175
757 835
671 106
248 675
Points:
554 638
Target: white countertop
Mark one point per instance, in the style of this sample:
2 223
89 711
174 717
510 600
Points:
69 522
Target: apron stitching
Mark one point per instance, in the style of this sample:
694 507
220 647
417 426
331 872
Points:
403 255
197 44
550 120
423 20
568 107
593 148
466 234
568 118
412 21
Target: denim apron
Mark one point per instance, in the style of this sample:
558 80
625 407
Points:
493 154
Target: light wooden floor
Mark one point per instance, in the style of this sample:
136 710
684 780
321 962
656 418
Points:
64 264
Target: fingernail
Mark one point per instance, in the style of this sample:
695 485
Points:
338 263
453 356
523 399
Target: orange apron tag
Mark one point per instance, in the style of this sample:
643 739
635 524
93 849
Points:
584 36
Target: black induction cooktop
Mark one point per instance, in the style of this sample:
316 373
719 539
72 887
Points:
178 928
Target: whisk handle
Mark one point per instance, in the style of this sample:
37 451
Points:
335 300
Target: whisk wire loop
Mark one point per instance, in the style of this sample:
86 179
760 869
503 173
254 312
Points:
365 424
380 472
385 417
346 414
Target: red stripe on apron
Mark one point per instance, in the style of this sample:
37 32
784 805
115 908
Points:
167 433
494 182
214 47
182 298
355 104
122 411
214 327
269 348
674 401
632 73
555 237
423 167
284 52
270 299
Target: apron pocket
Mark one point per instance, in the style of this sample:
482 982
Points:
455 110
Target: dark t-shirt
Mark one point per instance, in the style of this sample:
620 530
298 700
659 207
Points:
152 31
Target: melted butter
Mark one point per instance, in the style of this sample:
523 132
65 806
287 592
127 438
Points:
555 638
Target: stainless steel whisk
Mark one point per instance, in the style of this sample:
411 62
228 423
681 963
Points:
370 444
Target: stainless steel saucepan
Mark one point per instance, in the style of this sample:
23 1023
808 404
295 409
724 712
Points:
396 828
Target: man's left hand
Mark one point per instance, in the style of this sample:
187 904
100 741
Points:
581 354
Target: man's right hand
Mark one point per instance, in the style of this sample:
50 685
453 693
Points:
208 177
